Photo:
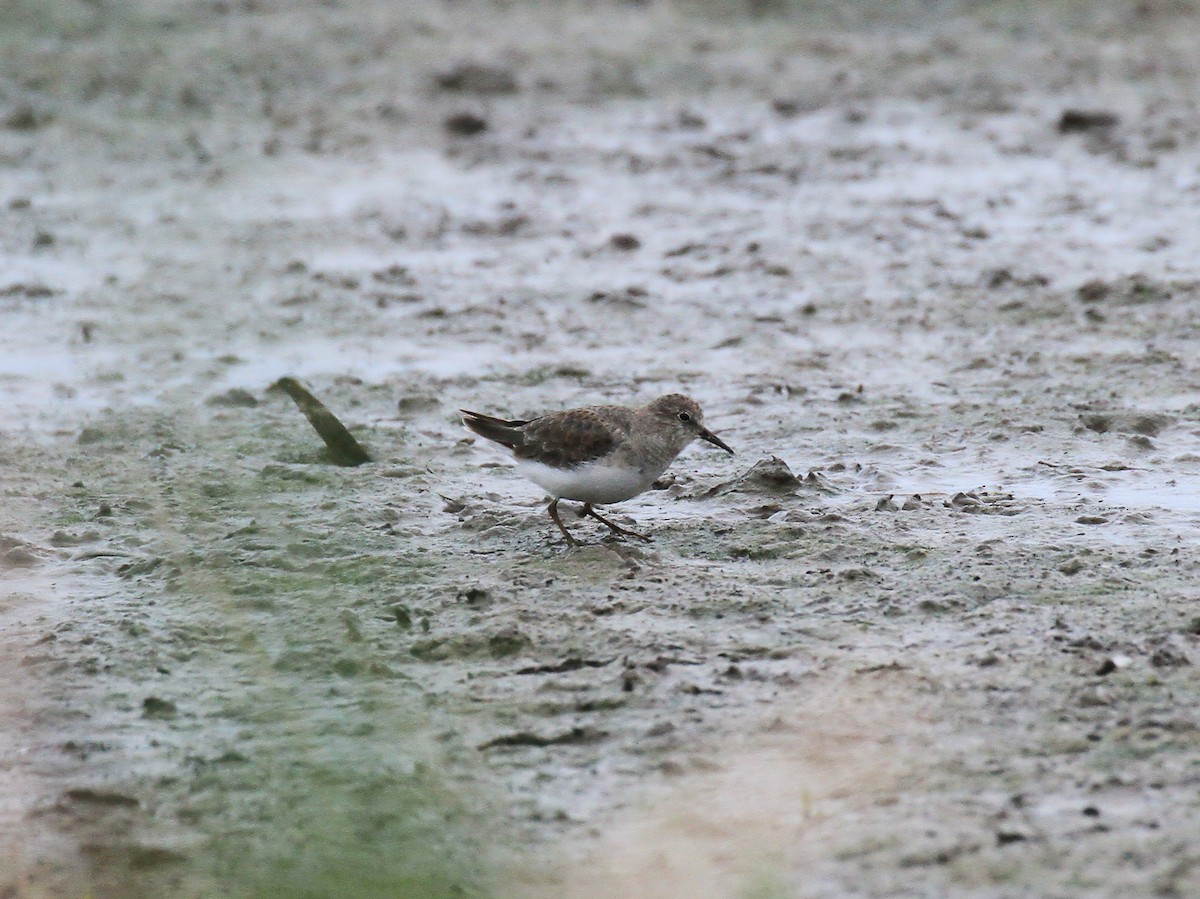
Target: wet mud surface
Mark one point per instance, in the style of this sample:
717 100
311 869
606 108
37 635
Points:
932 631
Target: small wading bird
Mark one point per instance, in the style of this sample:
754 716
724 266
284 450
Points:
598 454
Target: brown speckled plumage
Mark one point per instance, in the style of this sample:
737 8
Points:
567 439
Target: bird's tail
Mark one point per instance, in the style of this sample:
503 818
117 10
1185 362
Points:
506 433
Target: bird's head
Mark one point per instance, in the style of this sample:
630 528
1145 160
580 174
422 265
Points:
682 417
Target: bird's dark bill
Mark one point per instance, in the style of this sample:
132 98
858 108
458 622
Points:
715 440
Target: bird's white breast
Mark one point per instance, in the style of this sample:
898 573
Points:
595 482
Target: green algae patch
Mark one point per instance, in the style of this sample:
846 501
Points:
300 759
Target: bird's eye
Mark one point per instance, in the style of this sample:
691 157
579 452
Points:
685 416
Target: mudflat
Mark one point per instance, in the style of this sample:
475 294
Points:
933 273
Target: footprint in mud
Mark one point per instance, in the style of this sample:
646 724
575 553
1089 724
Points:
984 502
497 642
1141 424
975 502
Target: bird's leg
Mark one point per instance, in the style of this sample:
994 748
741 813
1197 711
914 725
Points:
612 526
553 510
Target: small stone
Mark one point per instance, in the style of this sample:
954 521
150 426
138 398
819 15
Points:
465 124
477 78
416 402
475 597
25 118
785 108
1169 658
154 707
1113 663
235 396
402 615
1074 121
1093 291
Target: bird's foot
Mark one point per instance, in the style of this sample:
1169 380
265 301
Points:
553 510
612 525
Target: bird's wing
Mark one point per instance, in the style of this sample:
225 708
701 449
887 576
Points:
567 439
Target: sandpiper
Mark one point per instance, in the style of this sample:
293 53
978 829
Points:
598 454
